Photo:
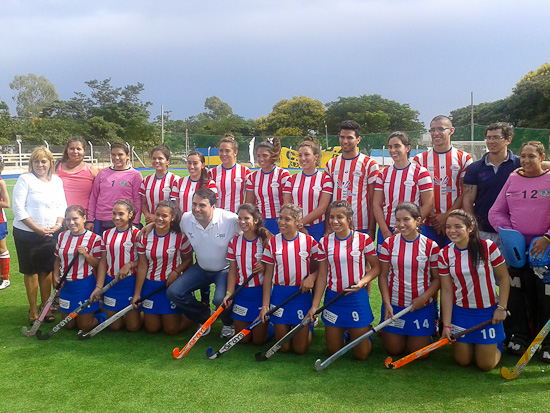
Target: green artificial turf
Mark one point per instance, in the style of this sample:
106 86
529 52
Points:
136 372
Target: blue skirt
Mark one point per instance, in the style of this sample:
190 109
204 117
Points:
272 225
295 310
74 293
119 295
316 230
464 318
248 304
350 311
158 303
419 323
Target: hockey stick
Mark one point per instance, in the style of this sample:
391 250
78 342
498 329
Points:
245 331
288 336
73 315
529 353
429 348
323 365
28 333
178 354
118 315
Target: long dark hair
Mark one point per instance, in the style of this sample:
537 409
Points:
259 228
475 247
79 139
176 213
273 146
203 180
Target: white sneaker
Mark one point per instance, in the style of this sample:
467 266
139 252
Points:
227 331
4 284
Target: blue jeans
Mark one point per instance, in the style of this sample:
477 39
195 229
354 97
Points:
194 278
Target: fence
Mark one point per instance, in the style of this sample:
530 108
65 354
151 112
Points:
377 142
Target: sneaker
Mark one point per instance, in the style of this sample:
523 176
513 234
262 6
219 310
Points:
516 346
208 329
4 284
227 331
544 354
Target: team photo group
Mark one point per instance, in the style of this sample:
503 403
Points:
458 249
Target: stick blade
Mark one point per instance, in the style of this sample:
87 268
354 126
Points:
507 374
41 336
260 357
177 353
83 336
319 365
25 331
388 363
210 353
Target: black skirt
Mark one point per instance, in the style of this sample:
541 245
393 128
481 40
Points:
34 252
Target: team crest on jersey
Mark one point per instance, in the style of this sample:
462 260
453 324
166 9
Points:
220 235
441 182
357 173
544 192
128 244
343 185
124 183
454 167
238 180
166 190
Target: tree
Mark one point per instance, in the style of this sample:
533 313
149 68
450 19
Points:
300 114
217 109
527 107
374 114
33 94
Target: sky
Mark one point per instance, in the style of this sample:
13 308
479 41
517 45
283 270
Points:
430 54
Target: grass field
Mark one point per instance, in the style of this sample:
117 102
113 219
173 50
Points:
132 372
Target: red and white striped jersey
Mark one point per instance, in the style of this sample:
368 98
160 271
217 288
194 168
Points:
163 253
291 258
66 247
231 184
306 191
473 287
155 190
120 248
268 189
246 254
410 263
446 170
346 258
402 185
2 213
350 179
184 188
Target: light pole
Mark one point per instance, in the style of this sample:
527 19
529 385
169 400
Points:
326 132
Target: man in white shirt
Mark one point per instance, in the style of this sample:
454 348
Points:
209 230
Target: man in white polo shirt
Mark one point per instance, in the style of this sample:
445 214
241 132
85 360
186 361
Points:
209 230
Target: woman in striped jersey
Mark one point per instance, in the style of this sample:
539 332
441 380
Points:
409 276
344 255
289 258
160 264
230 177
402 182
245 254
185 187
80 281
120 259
468 294
156 187
264 187
310 189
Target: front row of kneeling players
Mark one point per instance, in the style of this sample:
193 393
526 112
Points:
411 270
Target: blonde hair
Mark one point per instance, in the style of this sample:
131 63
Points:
40 153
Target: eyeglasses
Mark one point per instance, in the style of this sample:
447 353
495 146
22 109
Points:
440 129
494 138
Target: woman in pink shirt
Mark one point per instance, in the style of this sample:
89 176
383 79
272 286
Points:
119 181
524 205
77 175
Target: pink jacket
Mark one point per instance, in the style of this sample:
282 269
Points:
524 205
